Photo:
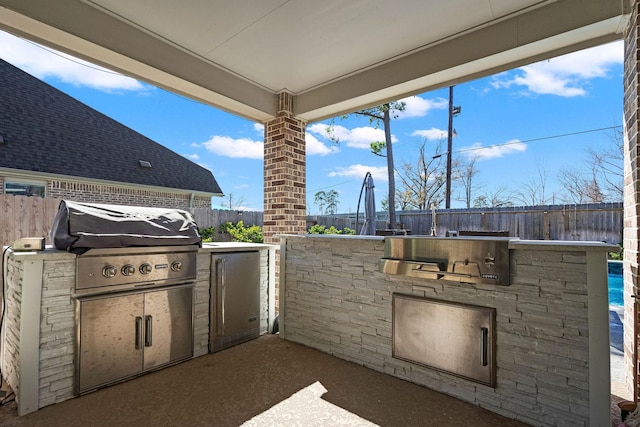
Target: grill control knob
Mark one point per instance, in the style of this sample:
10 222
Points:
176 266
128 270
109 271
145 268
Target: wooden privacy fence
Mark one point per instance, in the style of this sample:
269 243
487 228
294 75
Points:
596 222
205 217
22 216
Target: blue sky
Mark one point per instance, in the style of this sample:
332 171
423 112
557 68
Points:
535 120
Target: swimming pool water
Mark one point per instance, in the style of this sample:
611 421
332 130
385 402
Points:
615 283
615 289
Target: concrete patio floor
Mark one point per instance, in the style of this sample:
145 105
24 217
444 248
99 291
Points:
265 382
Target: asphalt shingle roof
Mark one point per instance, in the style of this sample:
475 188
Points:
47 131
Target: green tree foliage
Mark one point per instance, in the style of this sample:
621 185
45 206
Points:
207 234
381 116
618 255
327 201
240 233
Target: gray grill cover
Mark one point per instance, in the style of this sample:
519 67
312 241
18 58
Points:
81 226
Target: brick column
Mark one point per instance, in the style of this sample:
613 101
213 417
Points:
284 175
631 234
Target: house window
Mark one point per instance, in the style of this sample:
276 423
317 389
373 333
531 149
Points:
24 188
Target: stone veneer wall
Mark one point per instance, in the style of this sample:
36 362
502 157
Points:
201 305
57 328
334 299
10 347
113 194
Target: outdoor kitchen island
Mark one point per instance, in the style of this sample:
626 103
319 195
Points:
550 321
39 341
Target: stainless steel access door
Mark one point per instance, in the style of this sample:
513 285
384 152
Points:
168 326
235 299
451 337
109 339
124 335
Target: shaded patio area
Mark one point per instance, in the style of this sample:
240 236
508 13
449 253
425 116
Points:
231 387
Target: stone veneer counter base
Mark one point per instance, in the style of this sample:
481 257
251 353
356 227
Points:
552 334
37 355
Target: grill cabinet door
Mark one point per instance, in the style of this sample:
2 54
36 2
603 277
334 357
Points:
168 328
110 331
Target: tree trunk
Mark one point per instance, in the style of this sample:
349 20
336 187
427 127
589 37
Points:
390 169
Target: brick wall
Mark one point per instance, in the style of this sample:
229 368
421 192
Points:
631 203
284 173
112 194
285 205
334 299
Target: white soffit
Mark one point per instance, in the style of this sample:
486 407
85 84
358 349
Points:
335 56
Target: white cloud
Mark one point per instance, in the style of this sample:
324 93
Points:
360 137
241 187
192 156
416 106
237 148
47 63
493 151
259 127
567 75
314 146
359 171
432 134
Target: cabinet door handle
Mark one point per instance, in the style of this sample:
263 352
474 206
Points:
221 293
484 346
223 281
148 323
138 331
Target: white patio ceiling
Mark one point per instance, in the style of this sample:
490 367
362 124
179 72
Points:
334 56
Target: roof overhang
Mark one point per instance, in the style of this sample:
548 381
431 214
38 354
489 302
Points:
333 56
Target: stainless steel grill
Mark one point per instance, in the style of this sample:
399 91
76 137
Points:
134 311
459 259
119 269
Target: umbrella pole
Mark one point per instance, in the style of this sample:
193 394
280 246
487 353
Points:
364 182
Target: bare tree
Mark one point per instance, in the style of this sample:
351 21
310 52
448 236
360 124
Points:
422 182
499 198
234 202
464 172
608 165
532 192
604 178
580 189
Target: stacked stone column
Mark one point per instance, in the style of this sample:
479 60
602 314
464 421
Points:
631 236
